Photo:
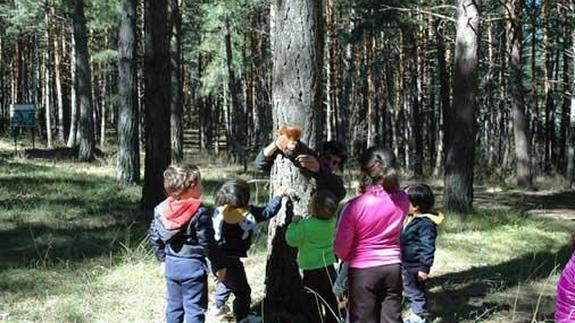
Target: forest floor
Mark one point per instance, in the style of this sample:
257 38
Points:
73 247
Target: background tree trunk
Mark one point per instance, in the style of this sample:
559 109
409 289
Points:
237 125
86 124
514 11
47 95
72 135
460 119
157 93
58 80
571 131
128 167
176 89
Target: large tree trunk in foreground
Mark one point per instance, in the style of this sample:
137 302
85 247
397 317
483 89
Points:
460 118
296 81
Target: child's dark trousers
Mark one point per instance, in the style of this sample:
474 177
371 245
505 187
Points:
415 292
187 294
321 282
235 282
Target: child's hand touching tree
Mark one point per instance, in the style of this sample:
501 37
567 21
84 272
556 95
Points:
422 276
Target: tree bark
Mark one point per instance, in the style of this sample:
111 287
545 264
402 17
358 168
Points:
547 88
237 127
176 88
72 135
86 124
520 125
331 77
571 130
460 118
296 57
157 93
47 80
561 145
128 164
58 80
444 92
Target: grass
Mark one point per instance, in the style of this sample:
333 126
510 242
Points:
73 249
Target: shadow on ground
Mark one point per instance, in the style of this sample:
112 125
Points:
464 295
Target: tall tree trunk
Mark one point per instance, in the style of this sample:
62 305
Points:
514 11
460 119
547 88
444 91
176 87
371 115
104 102
157 93
72 135
348 86
566 99
47 80
571 130
534 94
417 79
490 134
86 124
128 166
237 134
296 57
331 77
58 79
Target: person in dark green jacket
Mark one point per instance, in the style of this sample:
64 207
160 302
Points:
313 237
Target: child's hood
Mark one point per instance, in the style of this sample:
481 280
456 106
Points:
176 213
435 217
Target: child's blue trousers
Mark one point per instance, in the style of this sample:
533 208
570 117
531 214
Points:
415 292
187 290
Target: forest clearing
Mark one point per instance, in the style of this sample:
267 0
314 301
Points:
142 142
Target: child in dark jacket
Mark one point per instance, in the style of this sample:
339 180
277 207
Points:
313 237
235 221
182 236
418 249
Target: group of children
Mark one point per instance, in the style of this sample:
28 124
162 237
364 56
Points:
183 233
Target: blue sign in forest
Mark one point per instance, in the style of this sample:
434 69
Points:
22 115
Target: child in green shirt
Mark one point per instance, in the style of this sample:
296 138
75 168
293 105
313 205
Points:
313 237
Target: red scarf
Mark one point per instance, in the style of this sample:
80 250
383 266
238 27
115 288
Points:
176 213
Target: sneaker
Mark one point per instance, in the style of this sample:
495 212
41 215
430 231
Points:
413 318
220 311
251 318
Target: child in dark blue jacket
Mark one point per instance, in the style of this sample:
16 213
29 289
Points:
235 222
182 236
418 249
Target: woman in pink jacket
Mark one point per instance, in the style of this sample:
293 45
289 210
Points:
367 238
565 307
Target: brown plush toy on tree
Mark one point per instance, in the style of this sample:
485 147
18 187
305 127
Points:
288 142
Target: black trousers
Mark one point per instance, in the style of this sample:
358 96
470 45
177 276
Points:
321 281
235 282
375 294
